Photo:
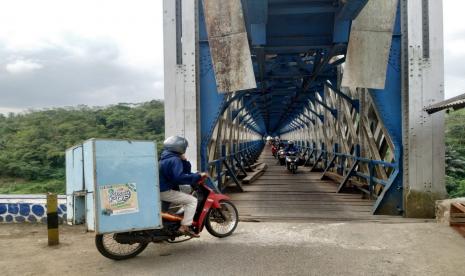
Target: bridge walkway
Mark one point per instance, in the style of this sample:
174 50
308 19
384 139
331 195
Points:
279 195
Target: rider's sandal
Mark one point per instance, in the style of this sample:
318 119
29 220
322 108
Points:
190 233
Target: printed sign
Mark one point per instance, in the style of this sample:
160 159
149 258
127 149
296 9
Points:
119 199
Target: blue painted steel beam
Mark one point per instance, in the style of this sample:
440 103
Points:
296 49
351 9
388 103
354 102
301 9
331 110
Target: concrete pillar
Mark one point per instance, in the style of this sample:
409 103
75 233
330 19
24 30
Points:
423 85
181 85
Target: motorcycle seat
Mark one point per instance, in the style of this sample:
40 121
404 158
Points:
170 217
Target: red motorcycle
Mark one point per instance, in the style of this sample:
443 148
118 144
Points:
215 211
274 150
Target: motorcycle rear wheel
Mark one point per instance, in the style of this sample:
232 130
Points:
110 248
216 225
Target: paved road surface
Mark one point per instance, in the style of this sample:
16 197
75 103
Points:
265 248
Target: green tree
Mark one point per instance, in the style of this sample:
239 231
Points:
33 144
455 153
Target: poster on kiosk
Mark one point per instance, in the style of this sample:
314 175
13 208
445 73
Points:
125 184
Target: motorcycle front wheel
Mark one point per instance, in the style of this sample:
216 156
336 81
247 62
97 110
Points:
220 226
110 248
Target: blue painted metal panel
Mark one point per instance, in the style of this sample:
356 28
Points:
89 180
75 183
90 211
74 170
258 33
341 31
388 103
351 9
211 102
126 186
256 11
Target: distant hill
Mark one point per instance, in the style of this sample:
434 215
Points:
455 153
33 144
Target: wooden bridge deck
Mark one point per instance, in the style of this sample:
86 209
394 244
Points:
279 195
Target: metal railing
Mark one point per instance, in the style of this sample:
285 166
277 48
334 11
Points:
328 159
236 165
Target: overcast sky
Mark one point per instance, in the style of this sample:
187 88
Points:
99 52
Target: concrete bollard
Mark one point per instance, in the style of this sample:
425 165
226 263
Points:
52 219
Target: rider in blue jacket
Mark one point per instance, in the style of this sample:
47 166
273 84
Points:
290 146
175 170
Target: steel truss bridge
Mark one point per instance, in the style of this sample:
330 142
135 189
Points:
348 80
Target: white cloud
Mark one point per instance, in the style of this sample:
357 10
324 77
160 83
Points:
135 26
454 47
10 110
128 35
88 52
22 66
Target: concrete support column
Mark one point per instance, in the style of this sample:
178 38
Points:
181 85
423 85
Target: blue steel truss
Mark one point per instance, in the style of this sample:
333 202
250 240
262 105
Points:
297 47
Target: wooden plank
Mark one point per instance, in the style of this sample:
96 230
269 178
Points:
334 176
457 214
457 207
251 177
251 203
277 196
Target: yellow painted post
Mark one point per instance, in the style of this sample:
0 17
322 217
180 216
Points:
52 219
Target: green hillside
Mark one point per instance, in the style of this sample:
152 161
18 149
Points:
32 145
455 153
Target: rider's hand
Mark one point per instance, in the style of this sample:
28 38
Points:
204 174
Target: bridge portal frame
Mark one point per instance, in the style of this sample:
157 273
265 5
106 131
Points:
405 136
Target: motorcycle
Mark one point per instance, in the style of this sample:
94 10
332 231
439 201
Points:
292 161
274 151
282 156
214 211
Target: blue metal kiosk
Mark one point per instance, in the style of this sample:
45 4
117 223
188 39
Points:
119 179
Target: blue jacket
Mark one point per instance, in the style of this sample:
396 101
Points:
291 148
174 172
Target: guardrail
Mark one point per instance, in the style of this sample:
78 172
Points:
29 208
235 165
328 160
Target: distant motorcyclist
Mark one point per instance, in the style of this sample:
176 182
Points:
175 170
290 146
278 143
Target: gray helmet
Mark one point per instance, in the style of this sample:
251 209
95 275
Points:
290 142
176 144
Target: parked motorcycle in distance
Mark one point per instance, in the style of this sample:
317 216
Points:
292 161
214 211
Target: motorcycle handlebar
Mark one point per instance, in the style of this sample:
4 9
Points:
202 179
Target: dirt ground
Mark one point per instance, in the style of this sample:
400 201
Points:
255 249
